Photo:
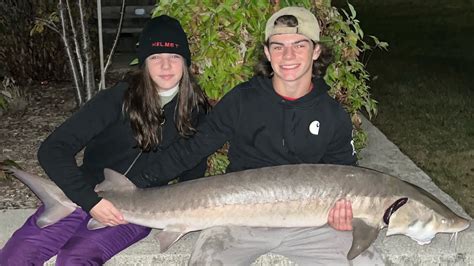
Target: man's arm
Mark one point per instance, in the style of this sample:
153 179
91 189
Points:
217 128
341 151
341 148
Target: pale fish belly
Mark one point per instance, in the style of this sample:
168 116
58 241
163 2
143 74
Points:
277 214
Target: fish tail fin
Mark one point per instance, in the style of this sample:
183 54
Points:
57 204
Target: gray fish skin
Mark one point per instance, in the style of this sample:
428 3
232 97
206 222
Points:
280 196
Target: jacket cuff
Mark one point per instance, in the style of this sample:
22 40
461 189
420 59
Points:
86 199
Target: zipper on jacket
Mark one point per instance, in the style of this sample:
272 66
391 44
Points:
283 142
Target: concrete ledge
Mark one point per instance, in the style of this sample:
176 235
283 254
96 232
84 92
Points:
381 154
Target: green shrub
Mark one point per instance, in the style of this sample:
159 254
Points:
347 76
3 103
26 57
226 38
5 174
12 98
217 162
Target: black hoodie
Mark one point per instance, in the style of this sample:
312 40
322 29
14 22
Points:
102 128
263 129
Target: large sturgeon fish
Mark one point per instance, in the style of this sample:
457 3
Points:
280 196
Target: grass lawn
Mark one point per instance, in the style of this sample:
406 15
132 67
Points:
426 107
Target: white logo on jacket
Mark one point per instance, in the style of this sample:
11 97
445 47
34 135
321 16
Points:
314 127
352 144
353 148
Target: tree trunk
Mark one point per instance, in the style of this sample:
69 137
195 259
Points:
72 60
89 80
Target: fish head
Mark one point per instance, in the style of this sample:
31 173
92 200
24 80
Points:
421 223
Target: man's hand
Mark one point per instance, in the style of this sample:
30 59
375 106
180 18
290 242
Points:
340 215
106 213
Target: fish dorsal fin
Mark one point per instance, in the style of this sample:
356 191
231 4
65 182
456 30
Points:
93 224
393 208
115 181
168 238
363 236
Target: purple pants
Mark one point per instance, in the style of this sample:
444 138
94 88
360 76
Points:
70 240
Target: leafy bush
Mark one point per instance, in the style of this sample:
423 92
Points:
71 22
11 97
4 174
26 57
347 76
3 103
217 163
226 38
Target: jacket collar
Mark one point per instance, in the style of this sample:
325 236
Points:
319 88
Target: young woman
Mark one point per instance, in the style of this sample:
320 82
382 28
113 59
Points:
152 108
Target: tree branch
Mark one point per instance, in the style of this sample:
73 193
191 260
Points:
89 67
119 30
74 38
50 25
117 35
72 62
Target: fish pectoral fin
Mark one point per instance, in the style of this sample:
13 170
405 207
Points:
53 213
168 238
93 224
363 236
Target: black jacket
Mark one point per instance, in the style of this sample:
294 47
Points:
102 128
263 130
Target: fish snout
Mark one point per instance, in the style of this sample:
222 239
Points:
455 225
464 224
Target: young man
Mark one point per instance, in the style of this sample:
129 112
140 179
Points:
283 115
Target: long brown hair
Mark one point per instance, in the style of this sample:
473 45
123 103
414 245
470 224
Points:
320 65
143 105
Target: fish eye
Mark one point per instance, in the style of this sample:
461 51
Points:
444 221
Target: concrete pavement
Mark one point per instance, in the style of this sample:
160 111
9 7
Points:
380 154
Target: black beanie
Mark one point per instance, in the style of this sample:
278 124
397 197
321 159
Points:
163 34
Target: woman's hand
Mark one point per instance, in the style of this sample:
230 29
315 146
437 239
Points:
106 213
340 215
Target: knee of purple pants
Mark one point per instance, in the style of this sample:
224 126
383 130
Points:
31 245
95 247
28 255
